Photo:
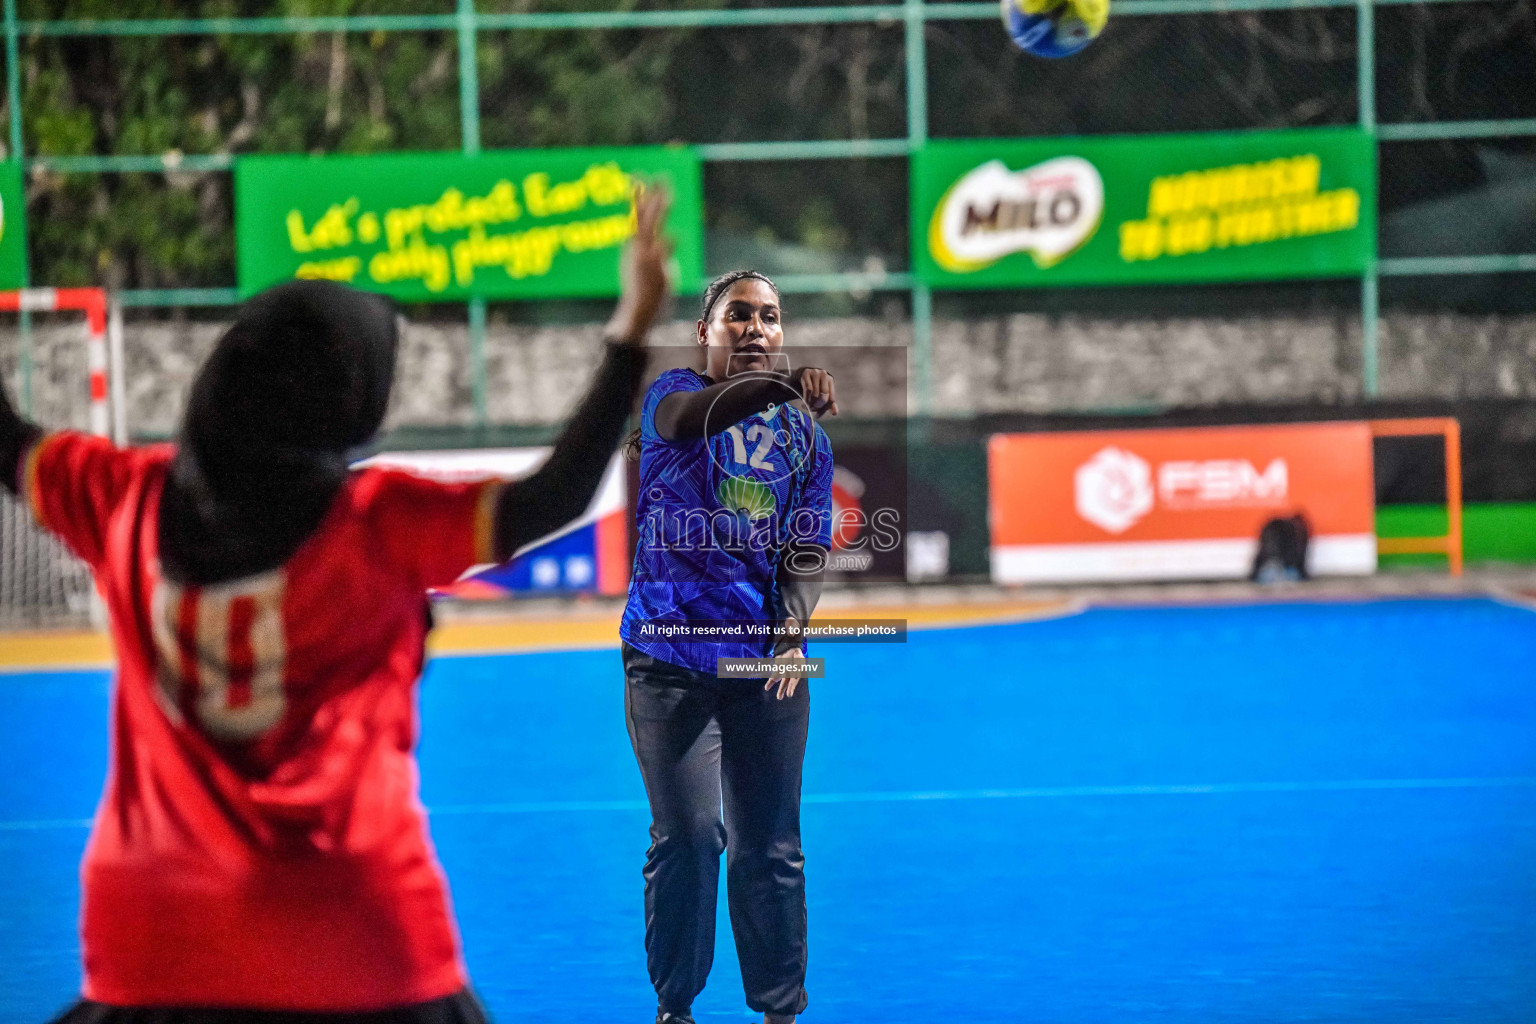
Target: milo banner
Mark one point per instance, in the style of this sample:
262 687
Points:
426 226
1144 209
13 227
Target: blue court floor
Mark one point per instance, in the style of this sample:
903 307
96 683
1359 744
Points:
1311 812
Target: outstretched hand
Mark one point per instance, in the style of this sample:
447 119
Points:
818 390
644 271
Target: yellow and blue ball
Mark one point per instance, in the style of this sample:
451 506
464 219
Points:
1054 28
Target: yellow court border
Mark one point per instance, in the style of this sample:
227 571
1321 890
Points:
57 651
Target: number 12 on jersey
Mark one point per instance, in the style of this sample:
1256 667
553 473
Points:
759 434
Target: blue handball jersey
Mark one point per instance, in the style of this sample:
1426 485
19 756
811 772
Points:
713 516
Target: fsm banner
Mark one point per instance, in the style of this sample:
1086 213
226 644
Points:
1144 209
588 555
13 227
1176 504
429 226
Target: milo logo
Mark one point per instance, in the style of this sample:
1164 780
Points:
1048 210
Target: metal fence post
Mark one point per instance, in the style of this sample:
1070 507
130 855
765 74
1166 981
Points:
917 135
477 374
13 95
469 77
1370 341
469 126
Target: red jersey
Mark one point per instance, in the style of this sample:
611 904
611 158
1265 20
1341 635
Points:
260 842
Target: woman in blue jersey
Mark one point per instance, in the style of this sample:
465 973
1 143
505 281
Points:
734 512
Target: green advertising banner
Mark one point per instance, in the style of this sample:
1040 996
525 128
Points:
13 228
429 226
1150 209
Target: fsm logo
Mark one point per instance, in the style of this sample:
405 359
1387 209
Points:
1222 482
1048 210
1113 490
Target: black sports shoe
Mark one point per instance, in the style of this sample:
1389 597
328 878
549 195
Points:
672 1018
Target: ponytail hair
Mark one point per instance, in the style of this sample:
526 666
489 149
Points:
629 448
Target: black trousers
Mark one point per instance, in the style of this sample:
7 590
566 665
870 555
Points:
460 1008
703 742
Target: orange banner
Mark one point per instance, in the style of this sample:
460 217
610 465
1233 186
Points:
1178 503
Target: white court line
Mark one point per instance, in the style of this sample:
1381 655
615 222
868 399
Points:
1512 599
943 795
538 807
43 826
1174 789
1037 792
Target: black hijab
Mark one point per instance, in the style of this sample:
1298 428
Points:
298 382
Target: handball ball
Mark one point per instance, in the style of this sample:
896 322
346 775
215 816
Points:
1054 28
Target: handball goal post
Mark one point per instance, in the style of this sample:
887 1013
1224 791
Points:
1448 545
41 584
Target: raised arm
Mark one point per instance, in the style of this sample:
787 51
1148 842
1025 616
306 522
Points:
16 437
563 487
691 414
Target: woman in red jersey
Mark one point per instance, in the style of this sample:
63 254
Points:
260 853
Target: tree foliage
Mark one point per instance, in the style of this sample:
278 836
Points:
373 92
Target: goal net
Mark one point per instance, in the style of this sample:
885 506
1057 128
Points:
58 374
